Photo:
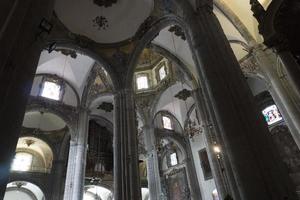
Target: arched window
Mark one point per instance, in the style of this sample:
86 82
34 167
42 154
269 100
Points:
167 124
173 159
142 82
22 162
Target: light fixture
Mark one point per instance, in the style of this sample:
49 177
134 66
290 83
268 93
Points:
217 149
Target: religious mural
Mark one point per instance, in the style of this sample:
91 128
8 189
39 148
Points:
177 185
207 173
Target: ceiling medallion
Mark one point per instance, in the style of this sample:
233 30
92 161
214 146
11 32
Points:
100 22
105 3
177 31
183 94
106 106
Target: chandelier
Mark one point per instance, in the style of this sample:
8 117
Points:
192 128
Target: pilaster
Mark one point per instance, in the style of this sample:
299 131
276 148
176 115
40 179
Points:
74 185
154 182
126 171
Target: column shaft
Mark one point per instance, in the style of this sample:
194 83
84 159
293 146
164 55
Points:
152 163
292 70
77 160
126 171
257 170
19 55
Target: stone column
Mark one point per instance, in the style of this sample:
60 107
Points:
292 69
126 170
258 172
267 61
19 55
77 160
152 163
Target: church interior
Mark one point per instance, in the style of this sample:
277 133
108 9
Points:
150 100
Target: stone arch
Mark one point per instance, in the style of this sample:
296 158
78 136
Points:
60 44
146 39
64 80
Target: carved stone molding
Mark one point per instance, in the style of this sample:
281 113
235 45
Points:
249 65
183 94
106 106
177 30
68 113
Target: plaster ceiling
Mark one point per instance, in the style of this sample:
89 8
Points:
37 146
75 71
45 121
181 49
123 18
177 107
242 9
19 194
99 112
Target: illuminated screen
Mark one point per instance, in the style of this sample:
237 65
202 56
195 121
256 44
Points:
272 114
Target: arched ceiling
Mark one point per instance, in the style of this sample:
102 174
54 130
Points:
121 20
95 110
38 146
242 9
43 121
73 70
177 107
17 193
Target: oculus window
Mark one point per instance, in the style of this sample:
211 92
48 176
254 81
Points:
272 114
142 82
162 72
166 122
173 159
22 162
51 90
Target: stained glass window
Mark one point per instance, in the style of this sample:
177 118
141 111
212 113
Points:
272 114
51 90
167 122
173 159
22 162
142 82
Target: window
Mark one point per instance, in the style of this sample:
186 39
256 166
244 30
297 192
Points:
162 72
215 194
272 114
51 90
22 162
167 122
142 82
173 159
